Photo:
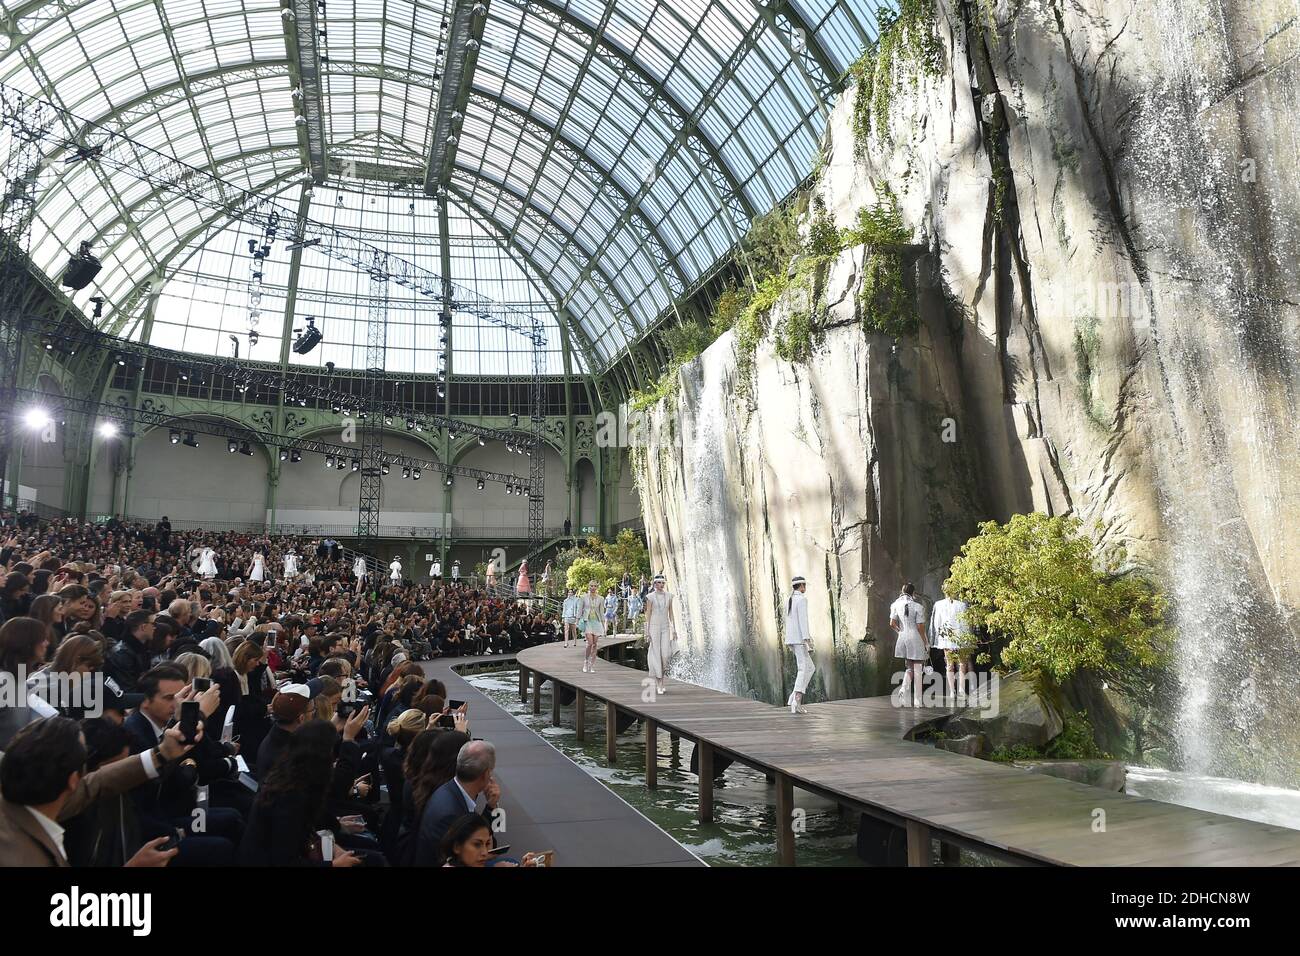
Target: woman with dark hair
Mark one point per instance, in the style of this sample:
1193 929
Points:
468 842
15 595
41 582
48 609
23 642
78 657
290 806
78 606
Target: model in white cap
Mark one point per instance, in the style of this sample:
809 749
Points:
799 639
660 631
290 565
395 572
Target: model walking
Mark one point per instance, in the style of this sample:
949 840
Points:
290 565
907 617
799 639
569 612
208 562
395 572
948 629
360 572
258 571
590 608
524 586
660 631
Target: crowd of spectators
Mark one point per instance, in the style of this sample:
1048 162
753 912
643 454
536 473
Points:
151 714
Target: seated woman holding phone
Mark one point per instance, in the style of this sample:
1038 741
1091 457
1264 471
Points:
468 842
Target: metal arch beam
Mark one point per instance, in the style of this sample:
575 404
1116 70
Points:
299 21
591 269
465 22
509 244
602 178
122 313
801 43
728 186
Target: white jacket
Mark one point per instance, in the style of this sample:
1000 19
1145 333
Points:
796 619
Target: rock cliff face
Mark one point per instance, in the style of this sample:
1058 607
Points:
1105 197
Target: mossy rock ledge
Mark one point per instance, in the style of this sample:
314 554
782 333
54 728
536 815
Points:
1020 717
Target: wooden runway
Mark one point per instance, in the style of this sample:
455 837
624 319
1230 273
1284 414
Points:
852 751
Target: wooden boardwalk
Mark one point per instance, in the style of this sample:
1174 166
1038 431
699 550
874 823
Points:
852 751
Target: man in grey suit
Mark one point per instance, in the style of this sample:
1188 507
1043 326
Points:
475 765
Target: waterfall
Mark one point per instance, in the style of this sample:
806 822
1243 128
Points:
709 610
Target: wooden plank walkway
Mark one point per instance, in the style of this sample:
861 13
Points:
550 802
852 751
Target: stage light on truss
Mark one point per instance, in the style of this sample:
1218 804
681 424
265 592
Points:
514 420
510 489
336 408
480 484
295 456
329 461
448 481
383 470
481 442
284 454
174 437
410 424
232 446
356 464
190 441
109 430
246 449
406 471
415 474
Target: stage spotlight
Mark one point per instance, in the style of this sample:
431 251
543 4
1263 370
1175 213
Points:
480 484
329 461
410 424
109 430
452 435
388 420
481 442
448 482
415 474
442 393
509 447
419 427
384 469
336 408
190 441
510 489
356 464
246 449
284 454
82 269
309 338
232 446
120 359
295 456
406 472
514 420
174 437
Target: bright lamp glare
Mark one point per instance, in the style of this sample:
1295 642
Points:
37 418
107 429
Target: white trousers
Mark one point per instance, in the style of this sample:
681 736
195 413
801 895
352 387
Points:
806 670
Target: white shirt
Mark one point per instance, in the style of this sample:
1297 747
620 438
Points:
907 613
437 569
570 608
359 567
396 568
796 619
470 803
52 830
948 616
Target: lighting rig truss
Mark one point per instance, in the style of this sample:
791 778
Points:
59 406
54 336
124 157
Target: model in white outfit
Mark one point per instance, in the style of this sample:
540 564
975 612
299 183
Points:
290 565
569 612
435 572
799 639
455 572
660 631
907 617
395 572
948 627
258 571
591 623
208 563
360 572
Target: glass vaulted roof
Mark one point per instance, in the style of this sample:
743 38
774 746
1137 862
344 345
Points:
608 156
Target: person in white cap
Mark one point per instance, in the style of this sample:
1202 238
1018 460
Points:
907 617
799 639
290 565
660 630
435 572
395 571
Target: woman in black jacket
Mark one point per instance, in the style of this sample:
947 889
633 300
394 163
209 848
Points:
291 805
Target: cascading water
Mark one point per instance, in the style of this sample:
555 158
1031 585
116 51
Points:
710 614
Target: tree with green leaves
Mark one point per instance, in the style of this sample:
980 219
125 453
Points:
1055 607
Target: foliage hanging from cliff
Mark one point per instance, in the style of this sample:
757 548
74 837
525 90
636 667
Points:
773 239
1039 587
887 304
604 562
908 46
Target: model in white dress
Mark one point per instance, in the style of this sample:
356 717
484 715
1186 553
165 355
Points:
359 571
948 630
907 617
258 571
290 565
208 563
798 638
660 631
395 572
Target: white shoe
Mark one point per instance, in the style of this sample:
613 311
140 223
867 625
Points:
662 689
